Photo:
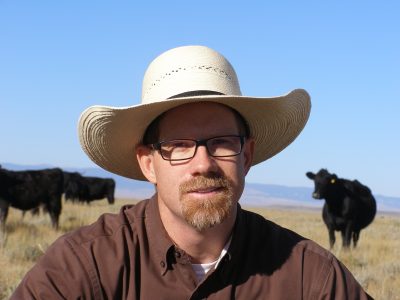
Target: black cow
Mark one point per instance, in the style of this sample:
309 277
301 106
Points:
349 205
86 189
28 190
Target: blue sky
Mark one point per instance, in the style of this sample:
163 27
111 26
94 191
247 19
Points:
59 57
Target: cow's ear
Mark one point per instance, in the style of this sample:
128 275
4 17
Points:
310 175
145 159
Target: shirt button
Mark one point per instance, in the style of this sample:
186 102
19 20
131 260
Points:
162 264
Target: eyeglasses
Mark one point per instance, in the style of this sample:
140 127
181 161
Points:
220 146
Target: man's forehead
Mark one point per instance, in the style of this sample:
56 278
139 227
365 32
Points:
198 117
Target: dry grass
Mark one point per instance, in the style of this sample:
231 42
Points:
375 263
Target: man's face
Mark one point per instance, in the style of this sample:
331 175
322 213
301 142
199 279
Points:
202 190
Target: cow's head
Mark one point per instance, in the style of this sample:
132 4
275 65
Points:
323 182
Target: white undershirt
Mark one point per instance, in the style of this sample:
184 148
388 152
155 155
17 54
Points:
202 269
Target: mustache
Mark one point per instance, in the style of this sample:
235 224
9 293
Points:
204 182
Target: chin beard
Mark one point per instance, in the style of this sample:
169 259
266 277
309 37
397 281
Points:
204 214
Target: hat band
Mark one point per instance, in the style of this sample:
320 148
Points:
195 94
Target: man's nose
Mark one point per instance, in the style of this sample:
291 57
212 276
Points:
203 162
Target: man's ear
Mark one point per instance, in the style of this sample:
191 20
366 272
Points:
144 156
248 153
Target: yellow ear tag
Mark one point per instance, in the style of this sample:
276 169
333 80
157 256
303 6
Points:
333 180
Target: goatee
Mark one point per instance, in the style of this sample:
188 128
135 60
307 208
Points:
204 214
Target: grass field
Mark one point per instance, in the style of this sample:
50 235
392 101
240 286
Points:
375 263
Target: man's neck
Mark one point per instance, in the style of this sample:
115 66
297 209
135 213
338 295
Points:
202 246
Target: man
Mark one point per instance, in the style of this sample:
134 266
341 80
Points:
195 138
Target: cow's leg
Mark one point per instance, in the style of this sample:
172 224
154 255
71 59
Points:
54 208
3 216
343 233
332 238
35 211
346 235
110 198
356 236
54 216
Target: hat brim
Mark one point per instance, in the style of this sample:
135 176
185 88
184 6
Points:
109 135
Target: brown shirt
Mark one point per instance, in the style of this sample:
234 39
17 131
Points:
130 256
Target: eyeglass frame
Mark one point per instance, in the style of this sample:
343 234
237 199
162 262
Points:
203 142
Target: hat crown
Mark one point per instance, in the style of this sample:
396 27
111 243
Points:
188 69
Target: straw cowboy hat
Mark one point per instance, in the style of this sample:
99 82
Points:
109 135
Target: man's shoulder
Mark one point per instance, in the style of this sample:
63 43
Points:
266 228
283 255
277 239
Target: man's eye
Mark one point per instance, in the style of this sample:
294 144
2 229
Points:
219 141
222 141
180 144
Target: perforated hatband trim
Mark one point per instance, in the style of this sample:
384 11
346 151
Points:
216 70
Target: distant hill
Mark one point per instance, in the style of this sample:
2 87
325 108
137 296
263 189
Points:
255 194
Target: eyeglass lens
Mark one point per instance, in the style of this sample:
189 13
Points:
185 149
